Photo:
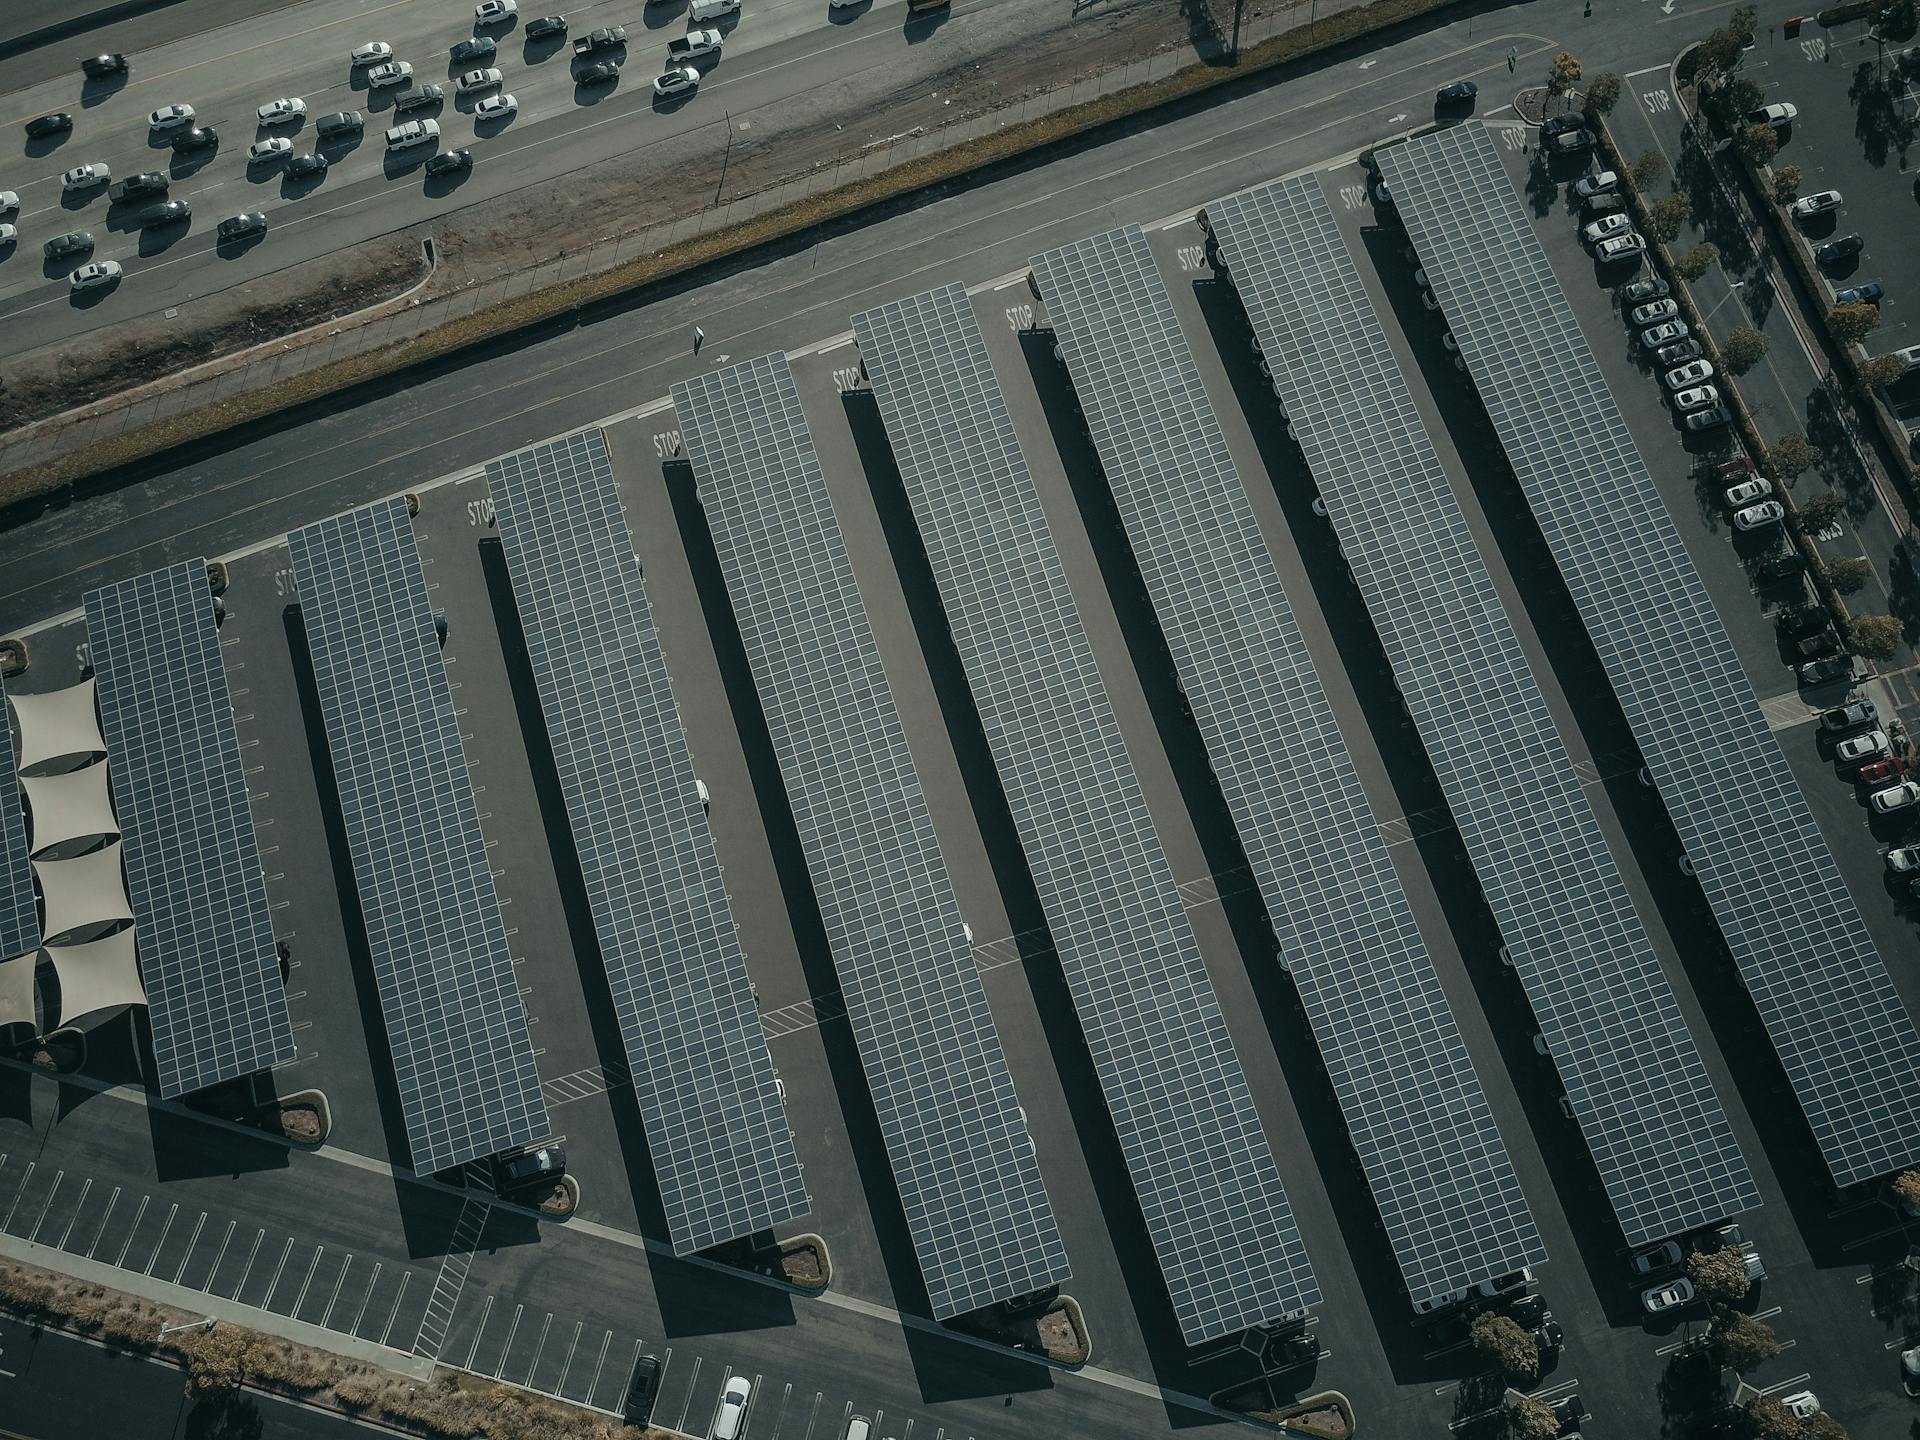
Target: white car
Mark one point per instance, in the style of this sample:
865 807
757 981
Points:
1619 247
1691 373
478 80
1858 749
8 234
494 107
170 117
680 80
1894 797
394 72
278 112
491 12
100 272
1754 517
1802 1404
1698 398
1663 1256
371 53
1658 1299
1818 203
1587 186
732 1418
1598 230
1654 312
1748 491
83 177
263 151
9 202
1664 333
1903 860
1779 116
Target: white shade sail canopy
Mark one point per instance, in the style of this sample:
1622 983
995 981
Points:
16 990
72 805
86 890
57 725
100 975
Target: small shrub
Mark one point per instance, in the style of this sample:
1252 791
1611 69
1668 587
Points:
1768 1419
1853 322
1906 1188
359 1390
1531 1418
219 1361
1881 371
1719 1275
1564 75
1502 1343
1742 1343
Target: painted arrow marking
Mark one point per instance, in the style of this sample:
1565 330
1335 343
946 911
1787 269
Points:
1368 64
1396 119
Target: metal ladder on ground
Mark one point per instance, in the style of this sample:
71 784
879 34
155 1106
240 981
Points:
454 1265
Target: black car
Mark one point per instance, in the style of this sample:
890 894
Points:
341 122
1570 1411
528 1168
1844 248
238 227
450 162
478 47
196 137
1641 291
546 27
74 242
1826 671
57 123
421 97
599 72
1557 124
1461 92
1782 565
103 67
637 1409
303 165
173 212
1549 1336
137 187
1678 353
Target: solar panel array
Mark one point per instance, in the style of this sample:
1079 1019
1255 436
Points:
970 1187
19 912
1418 1118
455 1025
1639 1089
1205 1176
716 1127
214 994
1847 1043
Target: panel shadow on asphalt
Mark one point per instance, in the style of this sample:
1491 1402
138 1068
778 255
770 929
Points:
609 1047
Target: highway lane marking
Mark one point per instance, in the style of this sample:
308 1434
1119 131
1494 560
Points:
1155 163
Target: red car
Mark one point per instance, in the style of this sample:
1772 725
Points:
1878 773
1733 470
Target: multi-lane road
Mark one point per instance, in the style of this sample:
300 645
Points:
775 50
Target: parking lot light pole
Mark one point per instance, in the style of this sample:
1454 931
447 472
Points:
206 1324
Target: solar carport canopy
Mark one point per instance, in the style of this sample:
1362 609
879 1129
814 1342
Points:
1847 1043
1639 1090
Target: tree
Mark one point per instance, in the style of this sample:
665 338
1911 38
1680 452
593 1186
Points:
1645 172
1734 99
1881 371
1906 1188
1789 456
1743 1343
1720 52
1603 93
1530 1418
1822 510
1786 184
1756 144
1897 19
1502 1343
1667 214
1720 1276
1564 74
1853 322
1849 572
1742 21
1822 1426
1697 261
1741 351
1875 636
1768 1419
218 1361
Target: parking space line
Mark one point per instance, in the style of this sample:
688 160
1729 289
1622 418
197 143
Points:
539 1348
54 1190
78 1205
225 1240
7 1223
813 1415
486 1314
326 1320
512 1330
138 1216
687 1404
600 1364
258 1236
312 1266
405 1275
192 1240
366 1299
266 1302
172 1210
105 1215
786 1394
567 1368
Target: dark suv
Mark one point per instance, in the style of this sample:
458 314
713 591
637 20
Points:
637 1409
174 212
478 47
137 187
74 242
103 67
339 124
421 97
199 137
528 1168
546 27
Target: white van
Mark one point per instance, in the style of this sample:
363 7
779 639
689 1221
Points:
414 132
700 11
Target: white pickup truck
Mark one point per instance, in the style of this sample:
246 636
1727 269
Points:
414 132
692 45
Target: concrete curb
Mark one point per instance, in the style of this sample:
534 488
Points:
79 25
163 1292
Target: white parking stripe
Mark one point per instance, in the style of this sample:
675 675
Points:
187 1254
138 1216
106 1215
172 1210
405 1275
326 1319
78 1205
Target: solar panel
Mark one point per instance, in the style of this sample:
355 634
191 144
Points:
1206 1178
458 1034
205 938
1638 1087
970 1187
716 1127
19 914
1844 1038
1414 1109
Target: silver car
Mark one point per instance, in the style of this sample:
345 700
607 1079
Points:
394 72
1697 398
1654 311
1691 373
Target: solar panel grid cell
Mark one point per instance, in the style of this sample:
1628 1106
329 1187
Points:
1640 1091
975 1206
19 912
1116 919
455 1024
716 1128
205 939
1846 1041
1418 1117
